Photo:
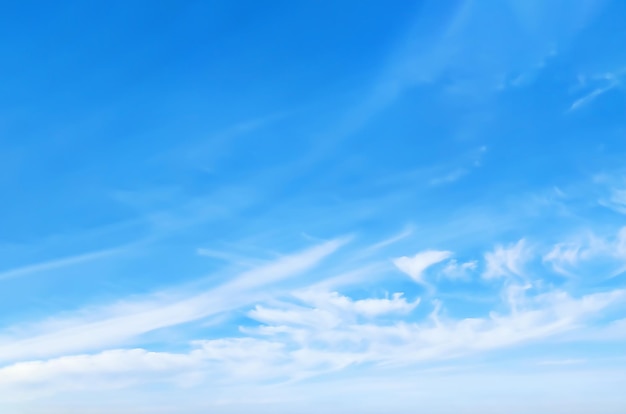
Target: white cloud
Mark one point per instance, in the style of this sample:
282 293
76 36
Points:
242 359
567 258
578 103
312 331
292 346
609 81
60 263
327 310
111 369
507 261
616 200
295 316
459 271
416 265
370 307
120 323
562 256
531 318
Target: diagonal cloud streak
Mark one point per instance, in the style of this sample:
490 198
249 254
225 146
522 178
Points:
99 332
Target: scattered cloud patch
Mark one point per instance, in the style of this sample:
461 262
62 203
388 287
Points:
416 265
568 258
507 261
371 307
562 257
459 271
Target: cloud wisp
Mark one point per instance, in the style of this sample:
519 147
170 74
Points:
60 263
323 332
123 322
507 261
292 333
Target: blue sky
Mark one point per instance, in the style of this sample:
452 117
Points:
281 207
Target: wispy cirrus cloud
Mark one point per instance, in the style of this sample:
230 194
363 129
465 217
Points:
240 296
573 257
122 322
602 84
507 261
292 335
61 263
616 200
294 342
459 271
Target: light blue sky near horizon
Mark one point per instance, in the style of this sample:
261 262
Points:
215 205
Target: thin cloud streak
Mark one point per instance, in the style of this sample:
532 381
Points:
111 326
60 263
